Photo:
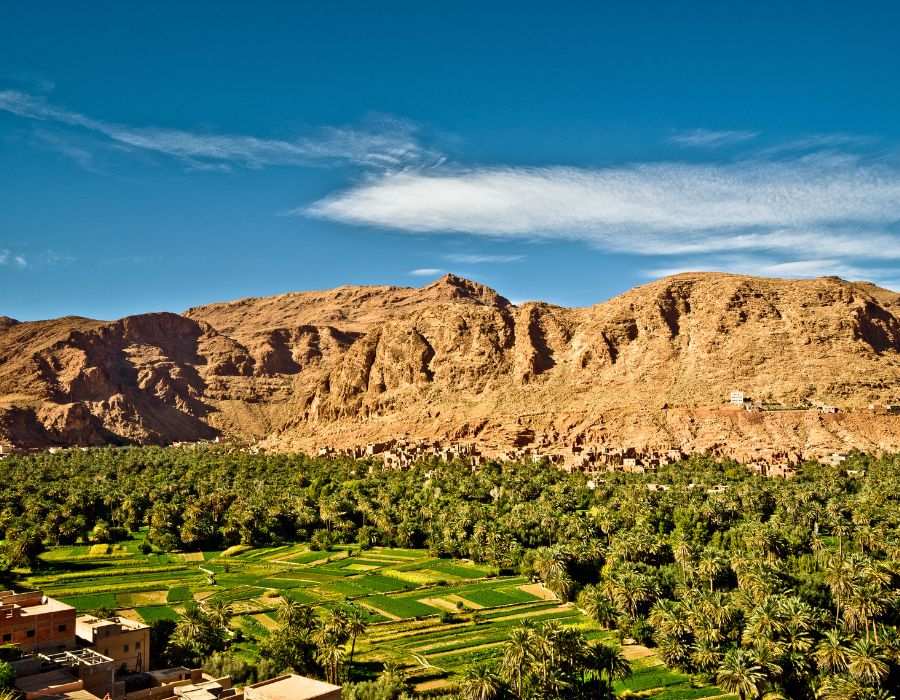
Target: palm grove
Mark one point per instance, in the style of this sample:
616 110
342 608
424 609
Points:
766 586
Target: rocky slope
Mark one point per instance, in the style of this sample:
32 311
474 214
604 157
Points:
456 360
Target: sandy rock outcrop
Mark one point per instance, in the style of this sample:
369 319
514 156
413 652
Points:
454 359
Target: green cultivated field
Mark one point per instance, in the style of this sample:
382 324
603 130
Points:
404 593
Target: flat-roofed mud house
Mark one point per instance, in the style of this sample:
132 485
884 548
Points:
34 622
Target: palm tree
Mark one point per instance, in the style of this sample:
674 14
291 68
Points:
866 603
289 611
597 606
668 618
629 588
706 657
838 577
480 683
193 625
831 653
355 625
841 529
219 614
330 652
718 608
550 563
518 655
332 627
295 615
866 662
616 666
764 622
683 553
710 566
740 673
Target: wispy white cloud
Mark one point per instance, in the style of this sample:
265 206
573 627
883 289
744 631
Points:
7 258
821 205
706 138
476 259
382 142
27 79
32 259
426 272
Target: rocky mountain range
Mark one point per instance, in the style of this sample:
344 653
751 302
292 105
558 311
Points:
457 361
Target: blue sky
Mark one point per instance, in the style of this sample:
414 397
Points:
162 155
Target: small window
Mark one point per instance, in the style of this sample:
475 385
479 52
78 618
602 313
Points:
137 645
62 628
106 652
125 648
29 633
7 637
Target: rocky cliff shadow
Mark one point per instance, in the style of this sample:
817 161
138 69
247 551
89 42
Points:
878 328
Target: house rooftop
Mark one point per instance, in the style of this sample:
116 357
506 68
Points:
31 603
53 685
291 687
94 623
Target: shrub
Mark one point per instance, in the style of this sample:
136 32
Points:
7 675
266 669
10 652
321 541
223 663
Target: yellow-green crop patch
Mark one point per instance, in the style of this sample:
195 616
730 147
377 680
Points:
416 577
144 598
361 567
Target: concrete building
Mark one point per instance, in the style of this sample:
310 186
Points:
68 675
125 641
292 687
53 685
34 622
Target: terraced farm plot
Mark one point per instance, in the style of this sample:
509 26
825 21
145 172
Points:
134 600
305 557
157 612
380 583
495 597
400 553
94 601
403 593
179 594
652 679
450 647
402 608
459 570
300 596
282 583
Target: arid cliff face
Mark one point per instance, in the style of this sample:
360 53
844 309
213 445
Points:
456 360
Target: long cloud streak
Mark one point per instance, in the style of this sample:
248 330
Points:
389 143
827 203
